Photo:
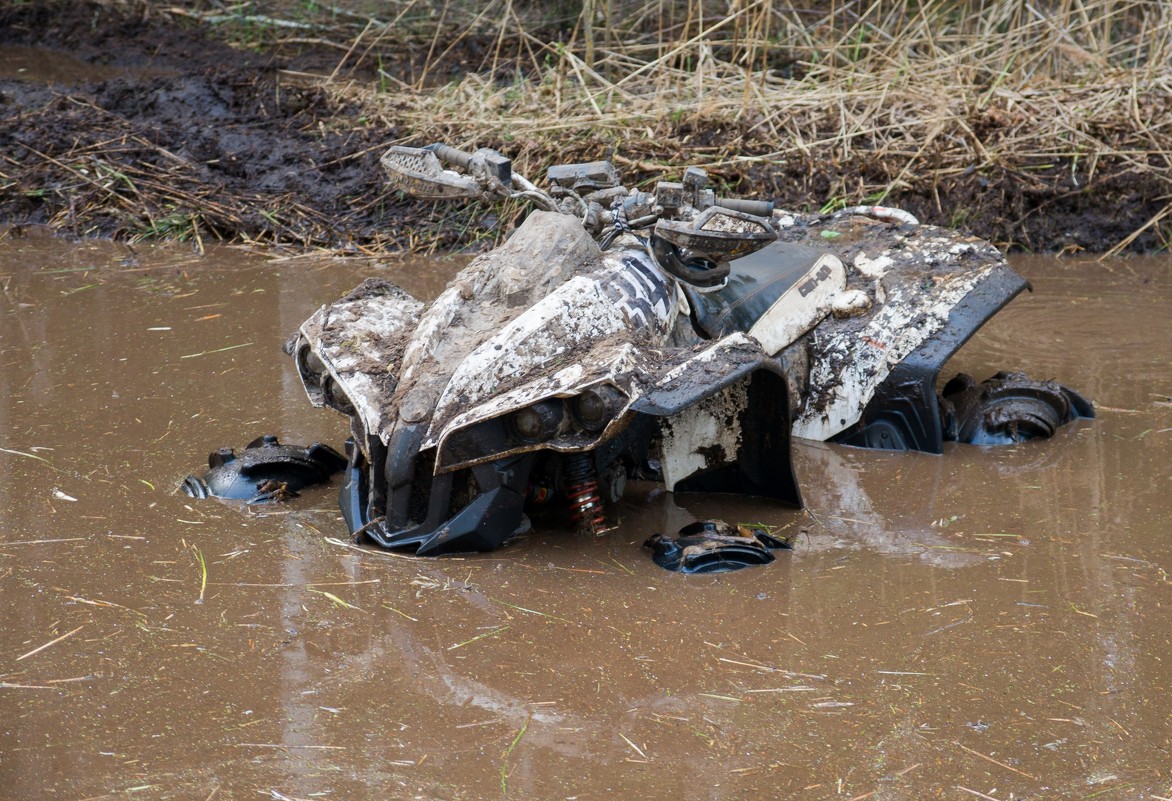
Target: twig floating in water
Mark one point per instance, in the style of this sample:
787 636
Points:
203 573
530 611
217 350
284 747
638 750
499 630
371 551
337 601
25 455
402 614
287 585
785 690
508 753
40 648
995 762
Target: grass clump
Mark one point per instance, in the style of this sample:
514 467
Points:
860 100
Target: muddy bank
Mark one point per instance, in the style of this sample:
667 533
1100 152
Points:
149 126
161 132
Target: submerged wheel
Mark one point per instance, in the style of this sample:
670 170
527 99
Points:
1007 408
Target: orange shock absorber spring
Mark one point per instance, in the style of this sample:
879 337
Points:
581 483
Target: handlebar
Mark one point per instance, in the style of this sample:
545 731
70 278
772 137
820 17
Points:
483 163
758 208
451 154
490 174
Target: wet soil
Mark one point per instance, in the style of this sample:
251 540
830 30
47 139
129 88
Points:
149 126
986 624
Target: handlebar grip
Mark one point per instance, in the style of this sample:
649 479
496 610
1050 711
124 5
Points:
451 155
758 208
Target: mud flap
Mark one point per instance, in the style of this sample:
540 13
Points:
728 435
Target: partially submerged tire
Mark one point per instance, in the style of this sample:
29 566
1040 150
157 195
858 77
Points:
1007 408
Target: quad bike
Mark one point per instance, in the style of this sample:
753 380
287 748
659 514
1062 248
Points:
671 335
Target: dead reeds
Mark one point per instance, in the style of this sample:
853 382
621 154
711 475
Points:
1045 124
886 96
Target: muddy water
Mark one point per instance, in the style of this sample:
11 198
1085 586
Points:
42 65
990 624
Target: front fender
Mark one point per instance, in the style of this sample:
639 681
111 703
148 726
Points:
724 420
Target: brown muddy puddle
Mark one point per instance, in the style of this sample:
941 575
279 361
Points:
987 624
44 65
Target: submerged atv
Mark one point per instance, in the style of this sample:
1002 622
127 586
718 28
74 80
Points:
670 334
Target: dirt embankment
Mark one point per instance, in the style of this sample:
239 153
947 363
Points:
192 139
196 139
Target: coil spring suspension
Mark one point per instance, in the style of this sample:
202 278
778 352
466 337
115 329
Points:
581 483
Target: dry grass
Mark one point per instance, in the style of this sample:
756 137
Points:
1045 124
925 91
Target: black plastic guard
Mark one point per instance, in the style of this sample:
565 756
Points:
493 516
353 494
763 463
904 413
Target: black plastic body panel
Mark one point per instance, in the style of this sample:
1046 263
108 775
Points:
763 466
754 285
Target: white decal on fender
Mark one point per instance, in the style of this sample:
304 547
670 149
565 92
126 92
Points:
801 306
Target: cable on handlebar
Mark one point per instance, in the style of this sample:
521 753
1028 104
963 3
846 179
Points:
540 198
561 192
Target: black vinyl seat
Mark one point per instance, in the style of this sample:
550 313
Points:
756 283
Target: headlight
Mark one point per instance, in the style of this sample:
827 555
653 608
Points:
536 423
564 424
595 407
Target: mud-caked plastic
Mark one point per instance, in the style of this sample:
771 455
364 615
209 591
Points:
1008 408
265 470
713 546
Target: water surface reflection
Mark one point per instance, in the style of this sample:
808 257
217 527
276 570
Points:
987 622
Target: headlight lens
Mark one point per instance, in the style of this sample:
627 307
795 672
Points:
536 423
561 423
595 407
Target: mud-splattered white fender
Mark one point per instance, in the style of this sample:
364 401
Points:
628 299
849 366
358 341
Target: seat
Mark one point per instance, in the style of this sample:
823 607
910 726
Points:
775 295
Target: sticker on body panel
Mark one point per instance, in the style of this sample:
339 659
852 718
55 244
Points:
801 307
